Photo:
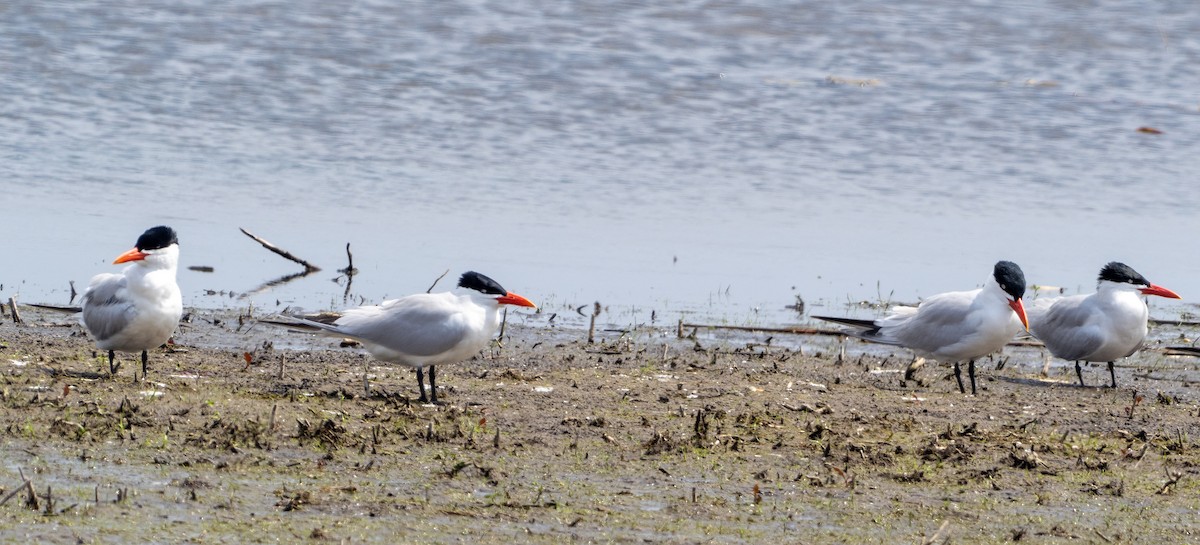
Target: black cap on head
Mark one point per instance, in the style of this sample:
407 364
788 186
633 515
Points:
157 238
1010 278
480 283
1122 273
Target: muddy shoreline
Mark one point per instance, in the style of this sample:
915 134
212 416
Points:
639 437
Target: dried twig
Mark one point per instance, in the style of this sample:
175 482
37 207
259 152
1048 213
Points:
308 267
31 501
1136 399
803 331
932 539
438 279
349 270
792 330
503 324
14 492
1173 478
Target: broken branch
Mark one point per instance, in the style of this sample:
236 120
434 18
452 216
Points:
438 279
308 267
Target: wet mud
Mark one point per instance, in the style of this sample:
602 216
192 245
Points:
253 434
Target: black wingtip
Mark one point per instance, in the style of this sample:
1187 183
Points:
56 307
852 322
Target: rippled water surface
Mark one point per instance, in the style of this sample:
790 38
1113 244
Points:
713 157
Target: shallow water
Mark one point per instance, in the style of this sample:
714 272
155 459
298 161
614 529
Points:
708 157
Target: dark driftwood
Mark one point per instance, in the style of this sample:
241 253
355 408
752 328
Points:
349 270
308 267
592 326
792 330
810 331
15 491
12 307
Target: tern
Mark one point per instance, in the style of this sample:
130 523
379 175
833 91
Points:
957 325
425 329
1104 326
139 308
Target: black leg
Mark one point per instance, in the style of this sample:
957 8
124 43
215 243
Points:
1112 372
433 384
421 385
145 364
1079 372
112 369
971 372
958 377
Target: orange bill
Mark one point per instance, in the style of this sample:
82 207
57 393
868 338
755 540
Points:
1019 308
132 255
513 299
1160 291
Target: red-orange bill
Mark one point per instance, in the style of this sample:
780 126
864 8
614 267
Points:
1160 291
513 299
1019 308
132 255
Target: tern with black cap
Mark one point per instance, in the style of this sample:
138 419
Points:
954 326
1107 325
425 329
139 308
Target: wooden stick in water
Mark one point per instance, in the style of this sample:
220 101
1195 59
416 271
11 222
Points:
308 267
592 326
12 307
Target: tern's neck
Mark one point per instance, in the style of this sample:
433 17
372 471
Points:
1107 288
162 262
993 289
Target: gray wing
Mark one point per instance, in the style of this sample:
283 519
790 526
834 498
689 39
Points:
939 322
417 325
1066 327
105 310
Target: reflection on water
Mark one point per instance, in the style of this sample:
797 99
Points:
701 157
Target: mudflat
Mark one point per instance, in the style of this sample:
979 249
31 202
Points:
245 433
